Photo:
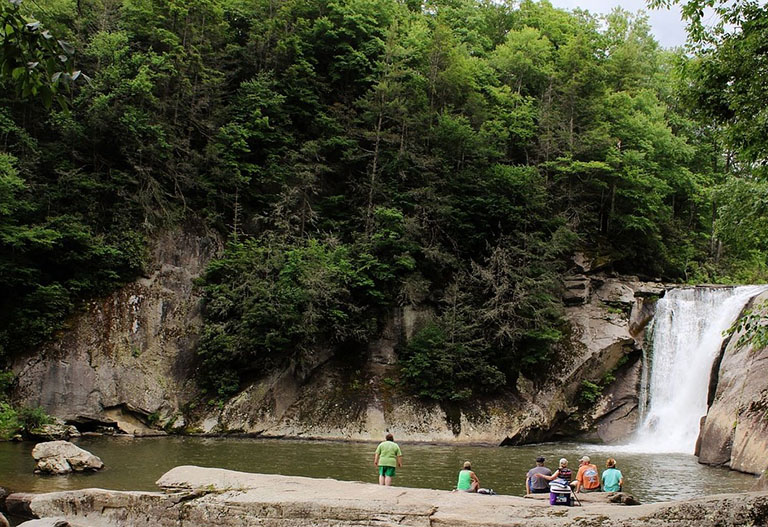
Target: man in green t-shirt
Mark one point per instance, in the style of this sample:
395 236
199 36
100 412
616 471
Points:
387 457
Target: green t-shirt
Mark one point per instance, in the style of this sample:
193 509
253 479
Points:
388 452
465 480
611 478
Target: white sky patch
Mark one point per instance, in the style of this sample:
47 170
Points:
666 25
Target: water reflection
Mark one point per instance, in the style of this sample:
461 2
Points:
135 464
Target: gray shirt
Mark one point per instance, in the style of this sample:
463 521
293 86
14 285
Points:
539 483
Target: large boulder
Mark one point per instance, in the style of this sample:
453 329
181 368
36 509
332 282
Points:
62 457
735 431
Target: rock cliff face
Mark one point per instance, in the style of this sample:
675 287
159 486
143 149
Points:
609 327
127 361
735 430
128 356
360 401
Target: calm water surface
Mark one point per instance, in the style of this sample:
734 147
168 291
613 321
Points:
135 464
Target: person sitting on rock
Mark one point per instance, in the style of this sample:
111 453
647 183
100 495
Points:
563 472
587 479
534 485
468 481
612 477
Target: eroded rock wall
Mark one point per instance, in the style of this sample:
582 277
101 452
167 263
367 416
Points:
130 354
735 430
129 359
609 328
333 397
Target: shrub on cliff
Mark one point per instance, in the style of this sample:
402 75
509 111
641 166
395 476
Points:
268 302
21 421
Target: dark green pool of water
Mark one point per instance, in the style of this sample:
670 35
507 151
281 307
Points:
135 464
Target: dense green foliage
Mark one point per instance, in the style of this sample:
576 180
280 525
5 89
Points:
752 327
39 64
363 155
15 421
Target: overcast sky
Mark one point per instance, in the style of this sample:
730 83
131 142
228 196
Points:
667 27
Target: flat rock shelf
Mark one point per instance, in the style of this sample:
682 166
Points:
195 496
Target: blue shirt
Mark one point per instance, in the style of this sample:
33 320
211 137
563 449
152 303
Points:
611 478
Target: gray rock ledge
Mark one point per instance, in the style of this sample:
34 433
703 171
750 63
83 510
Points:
197 497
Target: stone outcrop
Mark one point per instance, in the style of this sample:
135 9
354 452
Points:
616 414
331 398
609 332
130 353
53 432
62 457
735 430
577 290
196 496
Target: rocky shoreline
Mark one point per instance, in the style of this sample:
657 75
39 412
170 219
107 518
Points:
195 496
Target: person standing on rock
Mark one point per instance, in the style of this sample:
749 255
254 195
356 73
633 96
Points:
536 485
468 481
588 478
388 456
612 477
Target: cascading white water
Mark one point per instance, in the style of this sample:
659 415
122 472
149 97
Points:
686 339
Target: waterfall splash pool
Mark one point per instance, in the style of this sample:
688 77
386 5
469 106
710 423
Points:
687 336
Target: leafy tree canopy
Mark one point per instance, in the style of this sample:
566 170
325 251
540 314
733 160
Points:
364 156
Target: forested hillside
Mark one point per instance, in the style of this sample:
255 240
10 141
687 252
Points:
360 155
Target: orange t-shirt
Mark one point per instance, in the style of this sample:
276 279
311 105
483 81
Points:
588 477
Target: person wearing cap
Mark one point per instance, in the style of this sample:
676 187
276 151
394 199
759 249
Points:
588 478
468 481
562 472
612 477
533 484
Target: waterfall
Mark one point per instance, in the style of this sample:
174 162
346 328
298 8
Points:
686 338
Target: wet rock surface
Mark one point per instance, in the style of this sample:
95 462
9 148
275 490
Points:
195 496
735 431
